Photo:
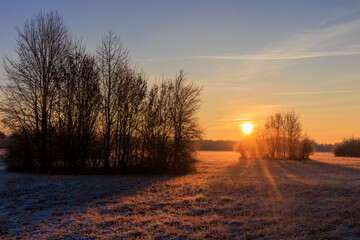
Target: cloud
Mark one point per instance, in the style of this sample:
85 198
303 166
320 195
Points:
337 40
315 92
289 56
239 119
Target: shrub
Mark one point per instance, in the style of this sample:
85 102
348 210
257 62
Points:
347 148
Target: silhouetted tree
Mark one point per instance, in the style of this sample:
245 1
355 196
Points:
171 125
275 128
292 133
42 46
280 138
184 106
348 148
157 129
131 94
323 147
112 59
77 107
69 110
306 147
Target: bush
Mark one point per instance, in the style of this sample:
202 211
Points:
20 152
306 147
347 148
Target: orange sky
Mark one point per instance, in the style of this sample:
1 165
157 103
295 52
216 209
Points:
254 58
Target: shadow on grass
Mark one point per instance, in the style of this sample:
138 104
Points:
27 199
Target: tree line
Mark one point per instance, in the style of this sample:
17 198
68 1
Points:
281 137
72 111
215 145
323 147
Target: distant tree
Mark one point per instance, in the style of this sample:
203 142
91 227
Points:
323 147
348 148
215 145
306 147
292 133
274 128
280 138
29 96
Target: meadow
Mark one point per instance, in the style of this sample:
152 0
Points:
227 198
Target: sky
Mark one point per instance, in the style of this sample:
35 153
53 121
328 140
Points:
253 58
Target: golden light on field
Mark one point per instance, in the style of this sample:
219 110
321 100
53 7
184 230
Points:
247 127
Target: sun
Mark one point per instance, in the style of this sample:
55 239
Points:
247 127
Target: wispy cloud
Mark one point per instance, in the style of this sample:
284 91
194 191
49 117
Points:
288 56
239 119
315 92
336 40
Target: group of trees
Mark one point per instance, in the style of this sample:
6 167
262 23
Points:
348 148
323 147
72 111
281 137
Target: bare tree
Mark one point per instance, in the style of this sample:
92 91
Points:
184 106
42 47
112 59
280 138
58 100
293 133
306 147
171 125
77 107
131 93
157 129
274 127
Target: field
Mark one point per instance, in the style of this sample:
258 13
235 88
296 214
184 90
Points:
227 199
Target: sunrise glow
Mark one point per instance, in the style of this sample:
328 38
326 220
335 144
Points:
247 128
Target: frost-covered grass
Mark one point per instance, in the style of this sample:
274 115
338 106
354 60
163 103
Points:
227 199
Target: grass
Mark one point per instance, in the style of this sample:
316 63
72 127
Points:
227 199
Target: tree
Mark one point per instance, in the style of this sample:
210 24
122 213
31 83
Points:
280 138
274 128
184 105
68 110
112 59
130 95
348 148
42 46
292 133
306 147
77 107
171 125
157 129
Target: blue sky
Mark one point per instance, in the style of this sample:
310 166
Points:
252 57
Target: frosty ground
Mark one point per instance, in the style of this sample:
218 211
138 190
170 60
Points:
227 199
